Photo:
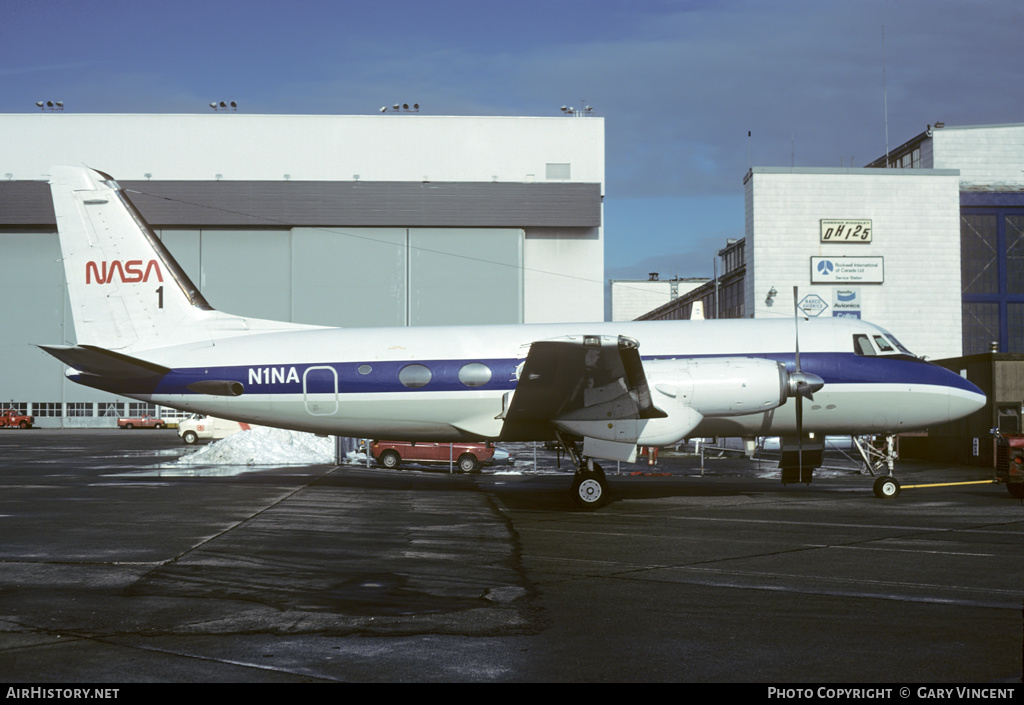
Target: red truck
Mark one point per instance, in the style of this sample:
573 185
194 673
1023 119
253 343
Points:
9 418
1010 461
141 422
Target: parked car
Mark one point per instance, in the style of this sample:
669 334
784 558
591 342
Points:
146 421
199 426
469 457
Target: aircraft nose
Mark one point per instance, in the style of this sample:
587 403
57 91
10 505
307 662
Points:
964 397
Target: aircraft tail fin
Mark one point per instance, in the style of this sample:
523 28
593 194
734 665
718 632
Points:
127 292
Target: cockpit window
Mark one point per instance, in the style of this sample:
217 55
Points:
898 344
878 344
862 345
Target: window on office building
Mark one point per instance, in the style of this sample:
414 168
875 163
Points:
557 172
980 327
1014 328
1014 236
979 253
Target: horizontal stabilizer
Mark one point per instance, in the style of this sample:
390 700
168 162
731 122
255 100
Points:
92 360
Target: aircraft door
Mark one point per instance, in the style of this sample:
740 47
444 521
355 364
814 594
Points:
320 390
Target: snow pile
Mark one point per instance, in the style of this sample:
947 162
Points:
265 446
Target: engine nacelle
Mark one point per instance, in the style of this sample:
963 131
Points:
687 391
719 386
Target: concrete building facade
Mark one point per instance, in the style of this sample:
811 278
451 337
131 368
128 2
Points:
632 298
945 211
903 274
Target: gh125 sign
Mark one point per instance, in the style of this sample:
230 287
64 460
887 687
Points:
841 230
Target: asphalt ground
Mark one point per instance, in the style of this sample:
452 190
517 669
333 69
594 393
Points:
117 566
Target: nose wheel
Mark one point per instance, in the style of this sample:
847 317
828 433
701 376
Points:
887 487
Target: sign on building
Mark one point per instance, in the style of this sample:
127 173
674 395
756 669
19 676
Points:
813 305
845 230
846 303
847 270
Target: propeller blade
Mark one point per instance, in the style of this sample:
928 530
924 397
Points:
796 325
795 379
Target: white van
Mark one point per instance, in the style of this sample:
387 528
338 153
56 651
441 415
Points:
199 426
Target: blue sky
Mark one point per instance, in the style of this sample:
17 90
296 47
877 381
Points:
679 82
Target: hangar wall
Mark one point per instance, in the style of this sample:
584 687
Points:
235 146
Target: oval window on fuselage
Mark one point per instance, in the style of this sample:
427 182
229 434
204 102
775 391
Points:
475 374
414 376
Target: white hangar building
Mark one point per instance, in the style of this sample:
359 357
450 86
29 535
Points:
927 242
354 221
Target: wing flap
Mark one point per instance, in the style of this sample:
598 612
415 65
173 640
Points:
580 377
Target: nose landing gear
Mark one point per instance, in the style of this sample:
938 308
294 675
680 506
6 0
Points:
879 453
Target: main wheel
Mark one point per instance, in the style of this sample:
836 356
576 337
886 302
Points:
590 488
887 487
189 437
1016 489
390 459
467 463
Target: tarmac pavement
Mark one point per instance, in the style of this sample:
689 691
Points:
117 566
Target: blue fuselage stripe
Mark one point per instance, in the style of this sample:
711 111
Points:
383 377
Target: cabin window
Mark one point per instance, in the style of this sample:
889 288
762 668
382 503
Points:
414 376
862 345
475 374
365 369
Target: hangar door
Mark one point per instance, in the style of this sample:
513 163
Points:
465 275
358 277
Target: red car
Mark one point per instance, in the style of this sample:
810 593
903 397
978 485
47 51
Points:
468 456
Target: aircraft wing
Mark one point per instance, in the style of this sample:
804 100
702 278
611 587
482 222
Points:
588 376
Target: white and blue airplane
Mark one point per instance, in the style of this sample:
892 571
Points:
145 331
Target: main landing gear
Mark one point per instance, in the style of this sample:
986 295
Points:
879 453
589 485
